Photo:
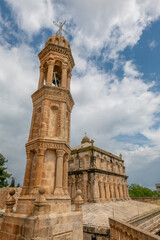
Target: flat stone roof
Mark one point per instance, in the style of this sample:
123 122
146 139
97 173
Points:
97 214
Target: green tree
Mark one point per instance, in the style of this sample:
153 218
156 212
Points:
12 182
136 190
3 173
18 185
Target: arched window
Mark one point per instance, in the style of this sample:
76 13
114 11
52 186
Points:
57 74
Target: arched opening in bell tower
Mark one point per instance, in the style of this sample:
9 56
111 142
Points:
57 74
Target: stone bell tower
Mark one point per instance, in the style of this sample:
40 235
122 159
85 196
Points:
44 207
48 146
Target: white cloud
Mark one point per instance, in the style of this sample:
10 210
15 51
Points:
32 15
152 44
18 80
116 107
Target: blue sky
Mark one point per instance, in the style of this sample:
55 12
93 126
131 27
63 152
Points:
115 82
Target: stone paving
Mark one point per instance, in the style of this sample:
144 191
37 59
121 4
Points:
97 214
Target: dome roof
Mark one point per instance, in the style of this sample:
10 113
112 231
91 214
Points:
58 40
85 139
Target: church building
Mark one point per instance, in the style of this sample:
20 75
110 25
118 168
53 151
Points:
99 174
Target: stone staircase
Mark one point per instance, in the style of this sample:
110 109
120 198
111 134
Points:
149 222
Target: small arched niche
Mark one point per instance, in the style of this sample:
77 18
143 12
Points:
57 74
53 121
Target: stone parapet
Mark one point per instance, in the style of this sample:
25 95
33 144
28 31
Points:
93 232
147 199
120 231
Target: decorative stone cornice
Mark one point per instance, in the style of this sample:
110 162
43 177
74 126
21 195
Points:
93 148
58 49
47 144
96 170
53 93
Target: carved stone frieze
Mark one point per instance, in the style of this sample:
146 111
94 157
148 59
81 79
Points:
57 50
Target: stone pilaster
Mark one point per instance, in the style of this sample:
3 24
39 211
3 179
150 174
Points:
65 175
39 168
64 76
102 191
25 189
41 77
107 191
59 173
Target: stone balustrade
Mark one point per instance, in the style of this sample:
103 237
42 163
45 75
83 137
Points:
122 231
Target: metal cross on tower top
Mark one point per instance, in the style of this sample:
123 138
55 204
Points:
60 25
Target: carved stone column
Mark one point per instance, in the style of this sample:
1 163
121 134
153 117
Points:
70 188
121 191
64 76
59 173
85 187
102 193
50 73
41 78
95 191
112 191
127 193
73 190
124 192
25 189
39 167
68 81
116 191
107 191
65 175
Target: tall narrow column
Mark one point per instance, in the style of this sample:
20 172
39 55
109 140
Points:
95 190
112 191
120 191
107 191
65 175
50 73
68 81
59 173
41 78
127 193
102 194
64 76
124 192
27 174
116 191
39 169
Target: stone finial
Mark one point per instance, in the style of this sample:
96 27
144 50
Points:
10 201
78 201
120 155
92 141
41 202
